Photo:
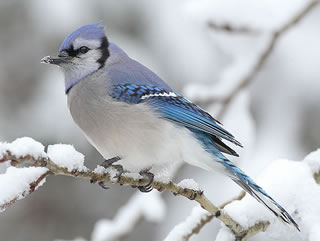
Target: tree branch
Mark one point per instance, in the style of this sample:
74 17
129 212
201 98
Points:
231 29
203 219
46 166
26 184
107 177
260 61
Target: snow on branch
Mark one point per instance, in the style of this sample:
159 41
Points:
140 206
148 206
192 225
242 218
38 158
241 73
15 184
294 184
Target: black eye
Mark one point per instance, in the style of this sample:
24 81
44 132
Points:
83 49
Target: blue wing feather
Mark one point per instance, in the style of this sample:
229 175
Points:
174 108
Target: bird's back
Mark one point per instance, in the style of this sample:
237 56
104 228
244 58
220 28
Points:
122 69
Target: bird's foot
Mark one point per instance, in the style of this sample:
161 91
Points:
115 170
149 176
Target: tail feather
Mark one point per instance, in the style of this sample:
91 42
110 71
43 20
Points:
238 176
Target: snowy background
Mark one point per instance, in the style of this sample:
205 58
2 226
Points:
277 116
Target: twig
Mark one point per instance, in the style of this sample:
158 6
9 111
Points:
208 217
316 177
231 29
256 67
257 228
239 197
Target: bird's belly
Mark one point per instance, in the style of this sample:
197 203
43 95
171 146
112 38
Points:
136 134
119 129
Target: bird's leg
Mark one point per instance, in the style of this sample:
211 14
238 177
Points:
107 163
148 175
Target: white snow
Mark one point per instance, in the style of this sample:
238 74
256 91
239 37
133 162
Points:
22 147
225 234
133 175
66 156
291 184
313 161
163 178
100 170
314 233
189 183
150 206
184 228
15 183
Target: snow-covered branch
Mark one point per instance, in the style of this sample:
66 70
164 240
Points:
140 206
242 216
64 160
240 75
297 189
16 184
191 225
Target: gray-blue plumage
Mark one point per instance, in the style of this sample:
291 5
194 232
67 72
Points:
126 110
89 31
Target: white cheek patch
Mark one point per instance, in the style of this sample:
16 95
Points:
170 94
92 55
90 43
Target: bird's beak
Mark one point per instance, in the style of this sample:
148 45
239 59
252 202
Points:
62 58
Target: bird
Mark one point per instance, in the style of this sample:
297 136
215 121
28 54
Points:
135 119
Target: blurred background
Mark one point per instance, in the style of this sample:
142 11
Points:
276 116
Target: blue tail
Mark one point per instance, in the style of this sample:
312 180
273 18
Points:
215 147
238 176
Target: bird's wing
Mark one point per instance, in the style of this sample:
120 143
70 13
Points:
173 107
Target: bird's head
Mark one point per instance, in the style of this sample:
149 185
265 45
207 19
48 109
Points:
83 52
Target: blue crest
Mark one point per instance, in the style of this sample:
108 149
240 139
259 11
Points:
89 31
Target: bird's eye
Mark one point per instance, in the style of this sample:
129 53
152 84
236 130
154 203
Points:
83 49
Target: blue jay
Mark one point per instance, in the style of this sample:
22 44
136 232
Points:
132 117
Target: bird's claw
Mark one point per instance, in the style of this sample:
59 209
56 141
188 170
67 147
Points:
109 164
119 170
103 185
148 175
